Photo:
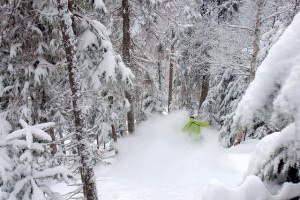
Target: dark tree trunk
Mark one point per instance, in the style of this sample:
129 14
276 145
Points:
114 133
86 169
159 75
204 90
114 136
126 60
159 65
171 71
53 145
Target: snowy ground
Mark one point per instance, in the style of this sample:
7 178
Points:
160 163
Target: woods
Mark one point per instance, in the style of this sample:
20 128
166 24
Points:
76 76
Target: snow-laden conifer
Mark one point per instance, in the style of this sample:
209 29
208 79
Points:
276 83
27 170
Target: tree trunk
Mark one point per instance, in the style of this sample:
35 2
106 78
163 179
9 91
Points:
295 8
176 86
255 44
159 75
53 145
182 90
256 39
115 137
62 141
204 90
126 60
189 84
114 133
159 65
171 71
86 169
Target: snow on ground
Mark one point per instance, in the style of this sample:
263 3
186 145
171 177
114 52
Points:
160 162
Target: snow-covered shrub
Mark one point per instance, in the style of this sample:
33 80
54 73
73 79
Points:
26 176
275 161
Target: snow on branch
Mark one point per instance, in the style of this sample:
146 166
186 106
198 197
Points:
279 71
28 132
98 4
60 171
241 27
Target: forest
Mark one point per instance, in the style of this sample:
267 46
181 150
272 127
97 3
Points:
81 80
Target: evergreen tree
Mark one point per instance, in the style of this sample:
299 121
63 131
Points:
27 169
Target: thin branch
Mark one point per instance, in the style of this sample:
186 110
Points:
241 27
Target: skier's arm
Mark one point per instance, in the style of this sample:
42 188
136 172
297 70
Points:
203 124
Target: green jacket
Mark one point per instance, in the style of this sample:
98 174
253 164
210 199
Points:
193 128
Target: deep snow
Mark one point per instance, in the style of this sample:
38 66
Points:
160 162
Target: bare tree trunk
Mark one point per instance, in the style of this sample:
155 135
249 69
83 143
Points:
295 8
189 85
86 169
159 64
182 90
255 42
126 60
159 75
53 145
171 71
114 133
188 97
204 90
29 106
176 86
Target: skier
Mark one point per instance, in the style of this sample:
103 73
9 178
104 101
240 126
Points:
193 127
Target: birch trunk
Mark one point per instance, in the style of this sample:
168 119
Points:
256 39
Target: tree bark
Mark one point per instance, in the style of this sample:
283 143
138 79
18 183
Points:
126 60
53 145
159 65
204 90
86 169
171 71
114 133
159 75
